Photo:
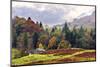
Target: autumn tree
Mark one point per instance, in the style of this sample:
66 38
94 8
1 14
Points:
64 44
41 46
52 43
44 39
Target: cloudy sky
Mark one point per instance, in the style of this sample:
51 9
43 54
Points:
50 14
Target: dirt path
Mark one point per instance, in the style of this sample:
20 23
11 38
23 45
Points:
77 53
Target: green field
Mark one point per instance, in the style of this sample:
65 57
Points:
59 57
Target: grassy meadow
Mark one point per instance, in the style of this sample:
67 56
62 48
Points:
56 56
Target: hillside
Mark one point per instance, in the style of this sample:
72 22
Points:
86 22
26 25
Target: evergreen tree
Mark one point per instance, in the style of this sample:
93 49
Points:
53 30
25 40
73 37
41 24
66 31
18 29
14 40
65 28
93 41
81 32
35 39
81 38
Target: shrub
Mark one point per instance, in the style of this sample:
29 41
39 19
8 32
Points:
16 53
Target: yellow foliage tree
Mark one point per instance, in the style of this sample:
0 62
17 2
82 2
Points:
41 46
52 42
64 44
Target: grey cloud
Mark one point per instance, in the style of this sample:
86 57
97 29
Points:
46 16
